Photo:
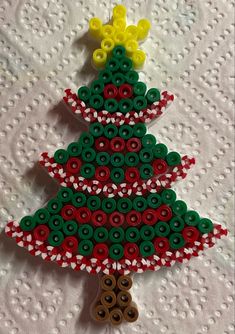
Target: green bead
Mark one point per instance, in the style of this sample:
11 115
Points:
86 140
139 130
160 151
147 232
84 93
191 218
124 205
112 65
117 159
146 248
102 158
168 196
87 170
162 229
131 159
105 75
125 105
139 88
117 175
65 194
119 52
173 159
70 227
139 204
139 103
85 247
176 224
179 208
101 234
96 102
154 200
88 154
146 155
111 105
85 231
93 203
56 222
148 141
132 77
153 95
108 205
55 238
61 156
132 234
205 225
79 199
97 87
54 206
110 131
176 241
74 149
118 79
27 223
96 129
125 132
116 251
116 234
125 64
146 171
41 216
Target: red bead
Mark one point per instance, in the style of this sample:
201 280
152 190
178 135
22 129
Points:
164 213
70 244
99 218
131 251
102 144
41 232
117 144
133 218
73 165
159 166
68 212
190 234
149 217
133 145
161 244
110 92
125 91
102 173
132 174
116 219
100 251
83 215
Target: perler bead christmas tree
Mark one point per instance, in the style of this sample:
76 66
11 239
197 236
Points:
115 212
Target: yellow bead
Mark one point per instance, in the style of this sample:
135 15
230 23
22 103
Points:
107 31
138 58
143 28
119 38
107 44
119 24
131 32
119 11
99 58
95 25
131 46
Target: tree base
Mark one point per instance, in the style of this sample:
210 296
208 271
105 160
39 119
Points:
114 303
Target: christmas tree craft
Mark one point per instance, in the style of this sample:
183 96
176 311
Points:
115 212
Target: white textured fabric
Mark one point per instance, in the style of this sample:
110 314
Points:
43 49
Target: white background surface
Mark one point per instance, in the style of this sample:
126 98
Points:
44 49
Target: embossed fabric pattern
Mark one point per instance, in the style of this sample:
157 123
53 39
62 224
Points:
45 48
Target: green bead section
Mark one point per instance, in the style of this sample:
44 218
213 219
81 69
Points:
88 154
93 203
116 235
110 131
117 160
85 231
131 159
96 129
117 175
87 170
119 52
191 218
84 93
56 222
160 151
173 159
116 251
70 227
86 140
105 75
85 247
125 64
108 205
79 200
27 223
147 232
139 130
112 65
146 155
139 203
74 149
124 205
54 206
65 194
154 200
179 208
125 105
132 234
55 238
168 196
132 77
96 101
176 224
205 225
101 234
118 79
148 141
139 103
61 156
176 241
139 88
97 87
153 95
146 248
41 216
125 132
102 158
162 229
146 171
111 105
